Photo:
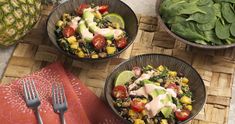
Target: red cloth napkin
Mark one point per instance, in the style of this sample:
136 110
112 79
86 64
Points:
83 106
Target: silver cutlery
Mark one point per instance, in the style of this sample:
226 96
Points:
32 98
59 101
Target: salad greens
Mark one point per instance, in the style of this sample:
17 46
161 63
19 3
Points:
207 22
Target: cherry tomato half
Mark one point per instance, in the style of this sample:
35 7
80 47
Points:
80 9
68 31
120 91
182 114
137 105
122 43
103 9
99 42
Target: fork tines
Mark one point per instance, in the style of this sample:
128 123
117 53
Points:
30 90
59 98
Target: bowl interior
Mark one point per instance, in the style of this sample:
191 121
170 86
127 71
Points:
116 6
161 22
196 83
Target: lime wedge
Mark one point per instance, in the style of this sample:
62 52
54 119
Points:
124 77
115 19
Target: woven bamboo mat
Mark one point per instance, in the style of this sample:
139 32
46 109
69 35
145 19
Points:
215 67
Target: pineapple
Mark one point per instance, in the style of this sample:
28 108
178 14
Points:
17 17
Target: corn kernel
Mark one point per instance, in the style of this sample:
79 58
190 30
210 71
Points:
185 80
180 91
72 40
189 107
139 121
173 73
131 113
163 121
109 42
144 101
111 50
160 68
98 15
81 54
157 83
94 56
74 46
185 100
59 23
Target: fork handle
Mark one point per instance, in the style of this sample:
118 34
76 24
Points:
38 116
62 119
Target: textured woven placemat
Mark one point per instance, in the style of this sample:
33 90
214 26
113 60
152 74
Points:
215 67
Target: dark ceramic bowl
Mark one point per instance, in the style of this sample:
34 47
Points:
196 83
161 22
115 6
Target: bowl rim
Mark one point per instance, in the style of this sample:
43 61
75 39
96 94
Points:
74 57
164 55
161 22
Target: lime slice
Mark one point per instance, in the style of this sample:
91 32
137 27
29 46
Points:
124 77
115 19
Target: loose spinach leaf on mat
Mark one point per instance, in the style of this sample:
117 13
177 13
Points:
188 30
228 12
232 29
201 17
222 31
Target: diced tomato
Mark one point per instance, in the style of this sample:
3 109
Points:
122 43
173 86
99 42
80 9
68 31
120 91
137 105
103 9
182 115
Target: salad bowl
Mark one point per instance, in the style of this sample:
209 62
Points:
196 84
114 6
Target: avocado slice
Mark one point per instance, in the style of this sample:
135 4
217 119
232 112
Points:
166 111
156 93
84 32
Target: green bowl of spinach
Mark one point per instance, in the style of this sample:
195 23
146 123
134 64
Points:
201 23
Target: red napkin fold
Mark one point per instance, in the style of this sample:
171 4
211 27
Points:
84 107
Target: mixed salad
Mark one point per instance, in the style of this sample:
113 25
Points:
151 95
92 32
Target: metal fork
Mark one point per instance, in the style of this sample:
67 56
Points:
59 101
32 98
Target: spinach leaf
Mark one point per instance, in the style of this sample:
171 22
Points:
207 26
219 1
203 2
212 37
228 12
217 9
189 8
201 17
188 30
222 31
201 42
232 29
230 40
176 19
